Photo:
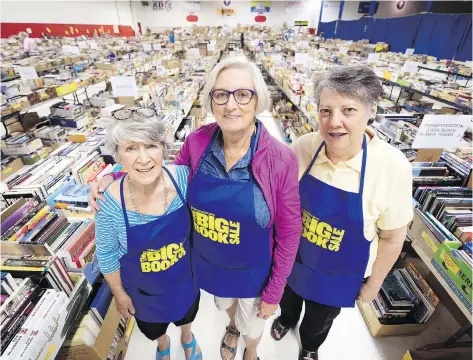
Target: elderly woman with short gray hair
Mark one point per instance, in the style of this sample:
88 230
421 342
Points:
355 192
143 255
244 197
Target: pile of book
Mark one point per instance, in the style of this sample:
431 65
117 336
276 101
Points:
459 163
29 320
8 285
32 226
405 298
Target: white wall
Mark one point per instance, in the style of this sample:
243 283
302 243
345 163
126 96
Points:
66 12
330 11
157 20
350 11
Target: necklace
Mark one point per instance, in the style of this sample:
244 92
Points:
132 197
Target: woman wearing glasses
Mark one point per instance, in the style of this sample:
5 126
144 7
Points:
143 255
244 196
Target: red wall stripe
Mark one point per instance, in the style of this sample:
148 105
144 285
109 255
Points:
73 30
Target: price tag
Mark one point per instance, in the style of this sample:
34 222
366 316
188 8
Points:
124 86
410 66
441 131
27 72
409 52
301 58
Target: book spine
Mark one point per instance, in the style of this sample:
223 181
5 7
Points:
39 315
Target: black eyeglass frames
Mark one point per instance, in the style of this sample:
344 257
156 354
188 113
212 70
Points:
124 114
241 96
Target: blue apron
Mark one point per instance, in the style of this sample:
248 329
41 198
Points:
156 271
231 252
333 252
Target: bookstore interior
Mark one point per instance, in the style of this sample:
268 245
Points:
70 69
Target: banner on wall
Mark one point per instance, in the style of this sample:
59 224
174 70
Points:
165 5
229 13
260 6
294 6
191 6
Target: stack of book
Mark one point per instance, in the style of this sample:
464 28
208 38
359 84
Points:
405 298
33 222
459 165
8 285
29 319
428 174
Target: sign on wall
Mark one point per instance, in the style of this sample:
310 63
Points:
229 13
164 5
294 6
260 6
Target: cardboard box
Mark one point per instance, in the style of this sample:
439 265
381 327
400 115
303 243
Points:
422 236
14 166
379 330
103 342
430 155
439 354
125 100
13 125
22 149
171 64
447 111
198 111
105 66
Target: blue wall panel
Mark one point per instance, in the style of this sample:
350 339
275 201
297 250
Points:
441 35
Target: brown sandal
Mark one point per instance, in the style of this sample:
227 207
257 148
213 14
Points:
244 355
225 346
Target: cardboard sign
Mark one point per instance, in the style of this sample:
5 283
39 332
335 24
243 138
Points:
27 72
441 131
277 58
409 52
147 47
301 58
71 49
82 45
373 58
124 86
115 29
410 66
92 44
211 47
157 46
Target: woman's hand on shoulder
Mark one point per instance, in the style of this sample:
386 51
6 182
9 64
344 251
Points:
96 191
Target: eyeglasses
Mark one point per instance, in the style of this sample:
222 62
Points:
124 114
241 96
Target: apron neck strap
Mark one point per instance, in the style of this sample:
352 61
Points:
122 195
363 163
363 166
122 199
174 182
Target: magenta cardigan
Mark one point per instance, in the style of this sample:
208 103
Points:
275 168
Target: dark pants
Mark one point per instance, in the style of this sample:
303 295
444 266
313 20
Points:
317 320
153 331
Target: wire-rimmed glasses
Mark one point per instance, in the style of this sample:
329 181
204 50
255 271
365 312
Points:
241 96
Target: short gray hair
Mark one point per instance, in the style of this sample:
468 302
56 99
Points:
22 35
357 82
148 130
263 99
